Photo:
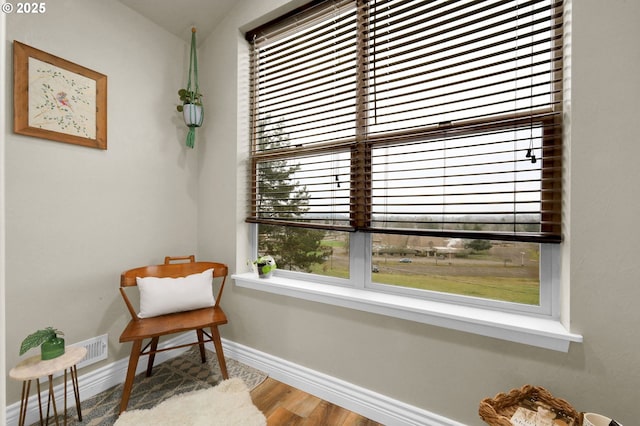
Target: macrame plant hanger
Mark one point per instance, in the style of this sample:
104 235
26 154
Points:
193 113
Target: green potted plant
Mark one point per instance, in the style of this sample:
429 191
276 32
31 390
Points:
51 345
191 107
265 266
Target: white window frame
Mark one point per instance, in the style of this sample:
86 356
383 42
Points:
536 326
549 284
484 317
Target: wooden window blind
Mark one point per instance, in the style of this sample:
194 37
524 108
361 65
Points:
409 116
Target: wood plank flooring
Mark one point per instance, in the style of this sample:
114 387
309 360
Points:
284 405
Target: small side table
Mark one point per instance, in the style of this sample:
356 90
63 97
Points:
35 367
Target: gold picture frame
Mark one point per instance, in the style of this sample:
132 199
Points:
58 100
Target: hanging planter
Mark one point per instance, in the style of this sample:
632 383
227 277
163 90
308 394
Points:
192 114
191 108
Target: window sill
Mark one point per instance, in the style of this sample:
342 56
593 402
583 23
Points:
541 332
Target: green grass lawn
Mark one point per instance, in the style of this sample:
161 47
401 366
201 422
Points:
477 275
517 290
509 289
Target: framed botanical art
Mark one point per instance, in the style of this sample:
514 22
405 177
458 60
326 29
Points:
58 100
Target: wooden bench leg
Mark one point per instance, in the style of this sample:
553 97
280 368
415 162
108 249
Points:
152 355
131 374
203 354
215 334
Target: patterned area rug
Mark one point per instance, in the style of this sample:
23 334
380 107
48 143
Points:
184 373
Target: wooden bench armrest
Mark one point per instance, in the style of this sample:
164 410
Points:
127 302
219 296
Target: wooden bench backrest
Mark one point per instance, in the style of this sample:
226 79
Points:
171 270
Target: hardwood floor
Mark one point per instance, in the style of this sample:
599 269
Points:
285 405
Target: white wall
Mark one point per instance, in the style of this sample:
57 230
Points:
443 371
76 217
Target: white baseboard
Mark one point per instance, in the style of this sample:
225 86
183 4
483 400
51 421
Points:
370 404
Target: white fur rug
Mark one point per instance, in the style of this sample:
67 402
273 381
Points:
227 404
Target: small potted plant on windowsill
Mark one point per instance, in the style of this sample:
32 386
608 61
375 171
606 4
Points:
51 345
265 266
191 107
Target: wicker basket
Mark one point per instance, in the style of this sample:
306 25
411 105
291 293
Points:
498 410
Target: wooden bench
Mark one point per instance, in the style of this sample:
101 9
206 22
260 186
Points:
153 328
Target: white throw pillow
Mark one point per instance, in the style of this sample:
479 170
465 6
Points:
159 296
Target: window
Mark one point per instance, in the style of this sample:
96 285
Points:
412 147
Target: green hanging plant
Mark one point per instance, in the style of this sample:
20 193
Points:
189 97
38 338
192 108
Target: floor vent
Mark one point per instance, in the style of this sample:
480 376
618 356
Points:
97 350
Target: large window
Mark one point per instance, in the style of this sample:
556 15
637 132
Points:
412 147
